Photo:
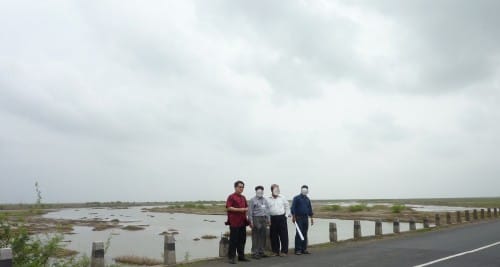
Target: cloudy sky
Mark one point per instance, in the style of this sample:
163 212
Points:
175 100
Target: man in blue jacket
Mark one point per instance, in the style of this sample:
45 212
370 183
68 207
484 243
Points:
301 210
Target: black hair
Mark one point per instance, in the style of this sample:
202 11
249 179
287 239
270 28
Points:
259 187
305 186
239 182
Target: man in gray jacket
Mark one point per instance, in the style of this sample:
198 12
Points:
258 215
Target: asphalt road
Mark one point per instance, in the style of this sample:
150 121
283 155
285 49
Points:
476 244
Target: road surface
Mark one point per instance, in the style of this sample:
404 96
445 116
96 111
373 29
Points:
475 244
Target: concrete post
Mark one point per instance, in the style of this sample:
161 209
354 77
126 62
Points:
357 229
413 226
482 214
97 259
437 220
488 213
333 232
223 246
474 214
395 226
448 218
169 250
467 216
459 217
6 257
426 222
378 227
495 212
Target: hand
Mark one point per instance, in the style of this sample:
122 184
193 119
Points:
293 219
244 209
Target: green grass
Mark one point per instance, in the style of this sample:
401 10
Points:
357 208
331 208
398 208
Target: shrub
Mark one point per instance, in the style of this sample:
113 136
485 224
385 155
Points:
398 208
33 251
357 208
331 208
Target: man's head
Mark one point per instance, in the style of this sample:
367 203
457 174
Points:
304 190
275 189
259 191
239 186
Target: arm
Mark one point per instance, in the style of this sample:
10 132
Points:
310 211
268 213
230 206
287 207
250 211
292 209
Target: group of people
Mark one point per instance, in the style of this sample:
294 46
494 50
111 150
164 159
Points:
260 212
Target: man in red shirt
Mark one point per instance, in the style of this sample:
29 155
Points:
237 207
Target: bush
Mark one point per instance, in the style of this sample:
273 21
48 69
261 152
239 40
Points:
398 208
33 251
190 205
331 208
357 208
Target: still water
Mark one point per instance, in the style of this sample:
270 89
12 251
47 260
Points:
149 242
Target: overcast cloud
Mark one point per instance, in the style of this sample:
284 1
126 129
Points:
175 100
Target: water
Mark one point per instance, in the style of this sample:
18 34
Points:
149 242
433 208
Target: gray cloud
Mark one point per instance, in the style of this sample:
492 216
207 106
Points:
145 101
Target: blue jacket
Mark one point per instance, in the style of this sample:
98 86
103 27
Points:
301 206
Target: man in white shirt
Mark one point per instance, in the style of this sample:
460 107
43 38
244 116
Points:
279 209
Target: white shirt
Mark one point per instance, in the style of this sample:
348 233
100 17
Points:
278 205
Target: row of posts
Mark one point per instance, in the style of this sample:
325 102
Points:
97 259
437 221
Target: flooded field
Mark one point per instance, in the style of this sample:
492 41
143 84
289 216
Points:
149 241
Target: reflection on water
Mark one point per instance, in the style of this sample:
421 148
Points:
148 242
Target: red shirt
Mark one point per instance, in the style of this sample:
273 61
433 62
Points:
236 219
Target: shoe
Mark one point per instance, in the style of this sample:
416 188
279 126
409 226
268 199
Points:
275 255
298 253
232 261
243 259
306 252
283 254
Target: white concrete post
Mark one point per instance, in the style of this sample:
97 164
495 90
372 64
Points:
223 246
6 257
97 259
395 226
378 227
169 250
413 226
437 220
333 232
357 229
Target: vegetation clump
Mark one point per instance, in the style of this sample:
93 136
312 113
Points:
35 250
358 207
135 260
133 228
334 207
209 237
398 208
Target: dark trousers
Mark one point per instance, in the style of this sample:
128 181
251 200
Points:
278 233
303 223
237 239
